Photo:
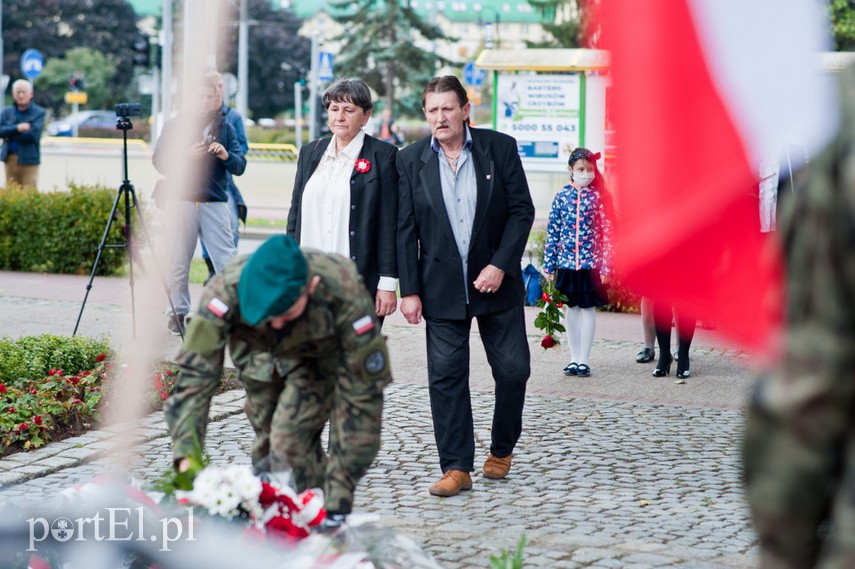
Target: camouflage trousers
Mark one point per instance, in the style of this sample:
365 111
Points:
288 416
800 475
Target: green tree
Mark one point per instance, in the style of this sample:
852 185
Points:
93 65
278 57
56 26
379 46
842 16
571 23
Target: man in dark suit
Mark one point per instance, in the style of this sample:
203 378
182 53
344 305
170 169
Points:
346 194
464 216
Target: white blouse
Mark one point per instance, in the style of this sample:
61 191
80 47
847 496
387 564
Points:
325 209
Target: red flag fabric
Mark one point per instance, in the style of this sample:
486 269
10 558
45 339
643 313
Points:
695 108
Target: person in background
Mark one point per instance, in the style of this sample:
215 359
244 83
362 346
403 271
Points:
21 130
345 194
465 213
388 131
237 206
578 252
663 317
648 353
198 141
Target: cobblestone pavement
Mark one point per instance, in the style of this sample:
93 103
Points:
616 470
594 483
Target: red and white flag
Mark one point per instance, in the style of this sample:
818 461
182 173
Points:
703 91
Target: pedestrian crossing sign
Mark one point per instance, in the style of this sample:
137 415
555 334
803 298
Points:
325 66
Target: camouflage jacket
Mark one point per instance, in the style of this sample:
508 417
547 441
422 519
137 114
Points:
339 322
800 443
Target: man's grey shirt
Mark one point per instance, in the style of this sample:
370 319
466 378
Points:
460 193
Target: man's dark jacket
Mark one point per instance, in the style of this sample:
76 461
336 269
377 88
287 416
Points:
428 261
28 142
373 207
172 153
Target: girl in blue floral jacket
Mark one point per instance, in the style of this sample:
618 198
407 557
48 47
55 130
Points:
578 252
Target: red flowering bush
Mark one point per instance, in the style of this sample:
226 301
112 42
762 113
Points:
34 410
550 315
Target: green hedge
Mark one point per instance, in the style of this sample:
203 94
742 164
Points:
58 232
32 357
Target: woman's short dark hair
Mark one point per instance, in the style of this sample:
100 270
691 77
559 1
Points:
349 91
445 84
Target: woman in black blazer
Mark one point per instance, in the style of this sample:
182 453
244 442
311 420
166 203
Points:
345 195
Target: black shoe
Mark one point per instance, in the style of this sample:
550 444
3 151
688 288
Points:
571 369
176 324
583 370
663 367
333 523
645 355
683 370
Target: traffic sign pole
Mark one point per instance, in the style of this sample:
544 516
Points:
313 90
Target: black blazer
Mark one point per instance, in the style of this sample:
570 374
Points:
428 261
373 207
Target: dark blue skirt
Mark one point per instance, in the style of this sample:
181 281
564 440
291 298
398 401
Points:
583 288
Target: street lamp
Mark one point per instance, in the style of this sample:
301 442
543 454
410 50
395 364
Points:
488 27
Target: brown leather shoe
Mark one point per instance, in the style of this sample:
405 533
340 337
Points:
451 483
496 468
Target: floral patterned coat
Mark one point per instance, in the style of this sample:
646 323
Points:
579 233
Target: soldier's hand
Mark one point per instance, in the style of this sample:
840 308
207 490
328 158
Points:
411 308
385 302
183 465
23 127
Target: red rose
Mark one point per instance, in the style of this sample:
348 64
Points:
284 526
74 380
268 494
170 373
163 395
363 166
33 391
2 388
548 341
100 357
37 419
23 427
559 304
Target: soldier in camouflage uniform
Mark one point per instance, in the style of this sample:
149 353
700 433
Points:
800 442
303 333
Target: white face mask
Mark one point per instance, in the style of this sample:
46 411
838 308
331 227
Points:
583 179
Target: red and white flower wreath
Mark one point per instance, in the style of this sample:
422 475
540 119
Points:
363 165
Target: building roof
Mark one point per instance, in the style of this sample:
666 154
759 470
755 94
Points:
145 8
453 10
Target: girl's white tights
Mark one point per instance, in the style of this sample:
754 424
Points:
581 325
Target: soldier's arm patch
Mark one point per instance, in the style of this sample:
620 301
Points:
363 325
217 307
374 362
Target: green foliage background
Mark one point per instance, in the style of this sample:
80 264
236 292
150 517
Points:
31 357
95 67
58 232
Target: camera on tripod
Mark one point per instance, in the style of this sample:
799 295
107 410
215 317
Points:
124 111
128 110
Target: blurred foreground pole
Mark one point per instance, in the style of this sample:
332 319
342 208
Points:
243 59
166 45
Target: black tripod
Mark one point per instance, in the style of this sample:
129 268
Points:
127 191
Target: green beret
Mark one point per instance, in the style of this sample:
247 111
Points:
272 279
